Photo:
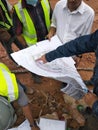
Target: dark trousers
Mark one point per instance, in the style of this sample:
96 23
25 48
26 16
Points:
94 78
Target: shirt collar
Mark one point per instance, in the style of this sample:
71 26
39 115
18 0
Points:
80 9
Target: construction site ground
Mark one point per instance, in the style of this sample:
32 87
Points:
47 97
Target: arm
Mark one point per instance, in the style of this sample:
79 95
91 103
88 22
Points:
84 44
88 23
23 102
51 33
52 30
28 114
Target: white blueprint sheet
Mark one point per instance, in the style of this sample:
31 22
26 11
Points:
24 126
44 124
61 69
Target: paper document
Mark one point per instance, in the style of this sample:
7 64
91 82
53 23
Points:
49 124
62 69
24 126
44 124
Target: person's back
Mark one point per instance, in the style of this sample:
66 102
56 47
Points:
71 19
32 21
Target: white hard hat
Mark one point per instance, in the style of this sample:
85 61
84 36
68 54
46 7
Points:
7 114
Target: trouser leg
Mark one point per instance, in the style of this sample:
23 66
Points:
95 74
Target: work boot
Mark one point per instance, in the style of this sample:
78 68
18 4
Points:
36 78
88 82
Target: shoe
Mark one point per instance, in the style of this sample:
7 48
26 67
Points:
88 82
37 78
29 91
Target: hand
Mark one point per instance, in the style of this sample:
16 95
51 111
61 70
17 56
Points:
90 98
35 128
42 59
51 33
49 36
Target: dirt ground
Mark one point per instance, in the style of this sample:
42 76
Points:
50 88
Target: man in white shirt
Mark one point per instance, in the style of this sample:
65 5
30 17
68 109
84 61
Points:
71 19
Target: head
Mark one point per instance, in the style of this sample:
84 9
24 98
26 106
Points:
73 4
7 115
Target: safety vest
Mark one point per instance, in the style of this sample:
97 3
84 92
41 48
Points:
9 24
29 31
8 84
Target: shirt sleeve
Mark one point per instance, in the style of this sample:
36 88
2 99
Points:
23 99
88 24
83 44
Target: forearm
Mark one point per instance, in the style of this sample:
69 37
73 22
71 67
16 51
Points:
52 31
28 114
78 46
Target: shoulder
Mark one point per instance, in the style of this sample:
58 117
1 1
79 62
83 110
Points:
88 9
61 3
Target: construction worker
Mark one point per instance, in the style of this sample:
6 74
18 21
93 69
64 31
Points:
31 20
7 35
11 90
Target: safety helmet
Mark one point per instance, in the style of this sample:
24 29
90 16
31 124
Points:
7 114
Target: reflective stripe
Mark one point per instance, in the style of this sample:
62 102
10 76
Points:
9 86
3 66
5 25
11 95
46 8
6 13
29 33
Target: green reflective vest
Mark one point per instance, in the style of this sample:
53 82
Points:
29 31
8 84
5 25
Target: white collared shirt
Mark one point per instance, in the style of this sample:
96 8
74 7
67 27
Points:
70 25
